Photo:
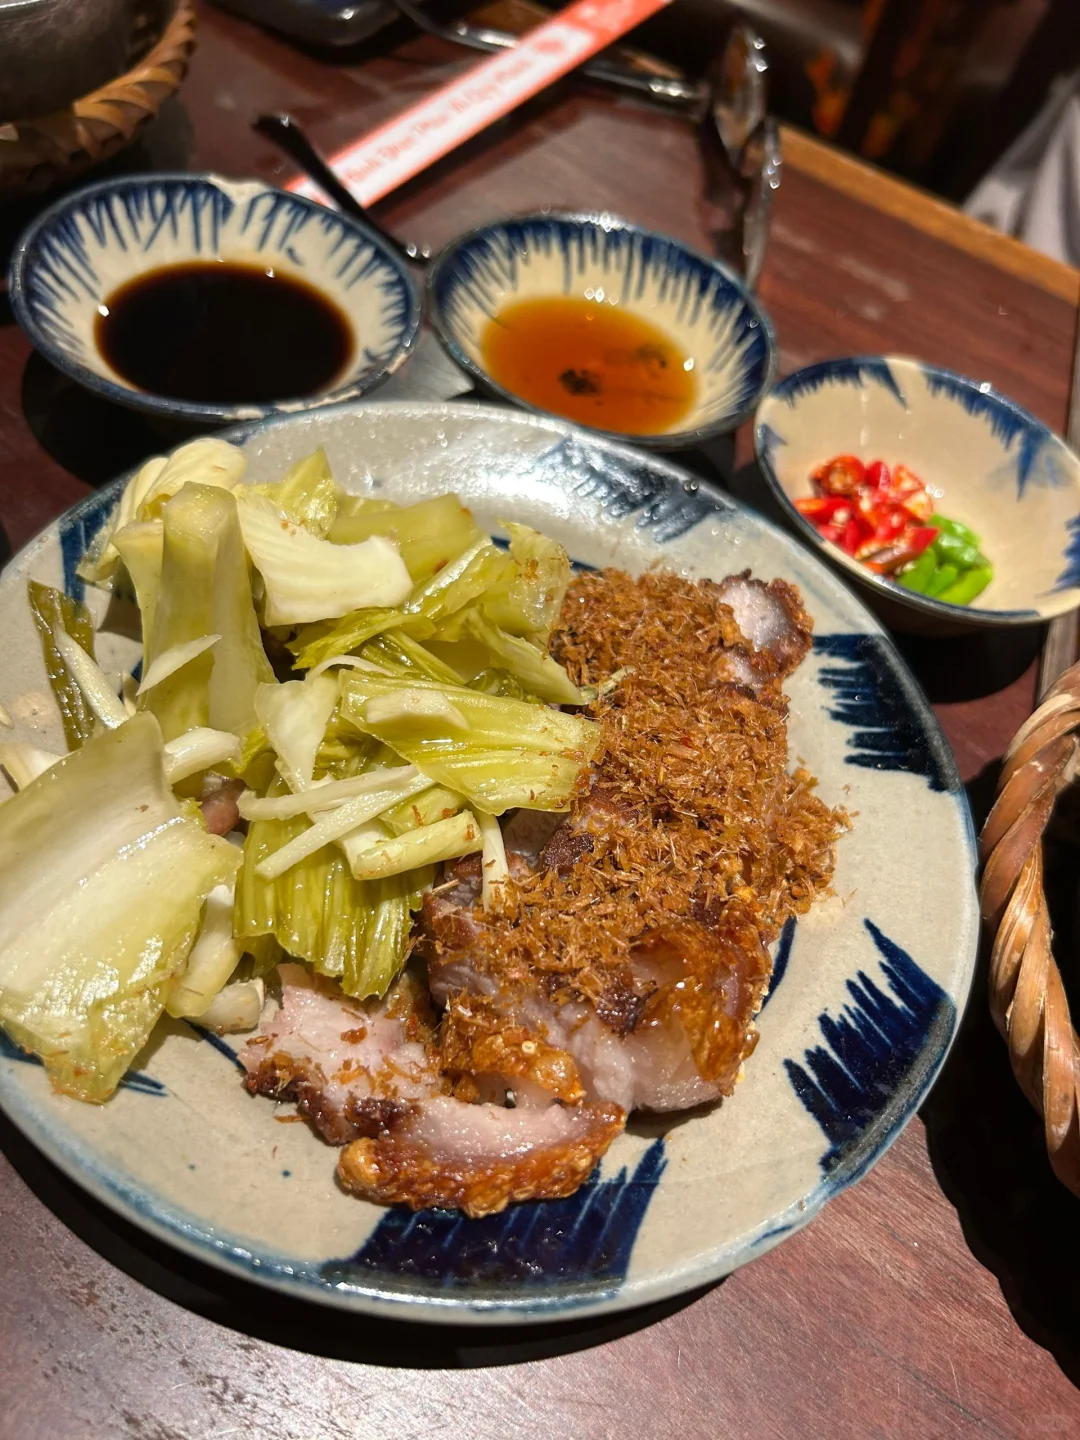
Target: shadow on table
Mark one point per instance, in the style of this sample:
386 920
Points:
987 1147
91 437
300 1324
986 1143
165 143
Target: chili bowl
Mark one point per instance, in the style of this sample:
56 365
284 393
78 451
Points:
986 462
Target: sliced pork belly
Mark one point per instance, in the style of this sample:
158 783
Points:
623 968
479 1158
772 619
219 806
675 1038
351 1067
367 1077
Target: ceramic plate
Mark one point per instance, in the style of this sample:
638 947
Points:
866 992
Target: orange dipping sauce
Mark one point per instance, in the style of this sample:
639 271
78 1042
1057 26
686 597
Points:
594 363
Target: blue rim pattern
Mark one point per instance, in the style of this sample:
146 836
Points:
51 269
478 265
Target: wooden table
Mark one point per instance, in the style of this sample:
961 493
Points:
934 1299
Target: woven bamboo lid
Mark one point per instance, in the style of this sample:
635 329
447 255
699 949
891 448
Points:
37 154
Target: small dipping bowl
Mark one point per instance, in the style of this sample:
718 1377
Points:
987 462
81 250
703 308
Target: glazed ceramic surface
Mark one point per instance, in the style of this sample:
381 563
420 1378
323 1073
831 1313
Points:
701 305
81 250
990 464
865 998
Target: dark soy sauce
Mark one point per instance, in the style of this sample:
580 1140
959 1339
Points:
224 333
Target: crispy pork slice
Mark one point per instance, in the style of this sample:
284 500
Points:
772 619
351 1067
479 1158
674 1038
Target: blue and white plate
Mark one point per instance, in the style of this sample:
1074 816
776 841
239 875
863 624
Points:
83 248
702 306
990 464
865 999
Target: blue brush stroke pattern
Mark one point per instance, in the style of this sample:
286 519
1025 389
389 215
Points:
780 959
1007 422
626 485
1070 576
768 442
136 1080
889 733
57 275
855 371
78 529
585 1240
217 1043
858 1077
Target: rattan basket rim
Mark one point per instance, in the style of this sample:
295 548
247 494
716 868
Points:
1027 995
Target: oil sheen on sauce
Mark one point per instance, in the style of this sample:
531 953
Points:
224 333
595 363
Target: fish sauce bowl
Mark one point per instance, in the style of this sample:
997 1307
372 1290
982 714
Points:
85 247
987 462
701 306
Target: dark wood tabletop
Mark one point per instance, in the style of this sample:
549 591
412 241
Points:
935 1299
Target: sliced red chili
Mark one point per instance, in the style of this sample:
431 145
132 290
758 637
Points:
919 505
920 537
840 476
851 537
822 507
889 559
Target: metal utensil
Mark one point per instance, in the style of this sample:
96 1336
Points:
291 139
739 142
669 90
740 147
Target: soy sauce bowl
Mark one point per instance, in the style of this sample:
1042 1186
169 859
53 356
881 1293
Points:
700 306
82 250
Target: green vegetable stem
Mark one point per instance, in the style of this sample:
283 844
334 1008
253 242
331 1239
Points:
954 527
920 572
943 577
968 586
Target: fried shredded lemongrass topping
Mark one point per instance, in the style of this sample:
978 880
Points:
693 813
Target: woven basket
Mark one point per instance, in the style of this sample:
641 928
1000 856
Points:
37 154
1027 997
